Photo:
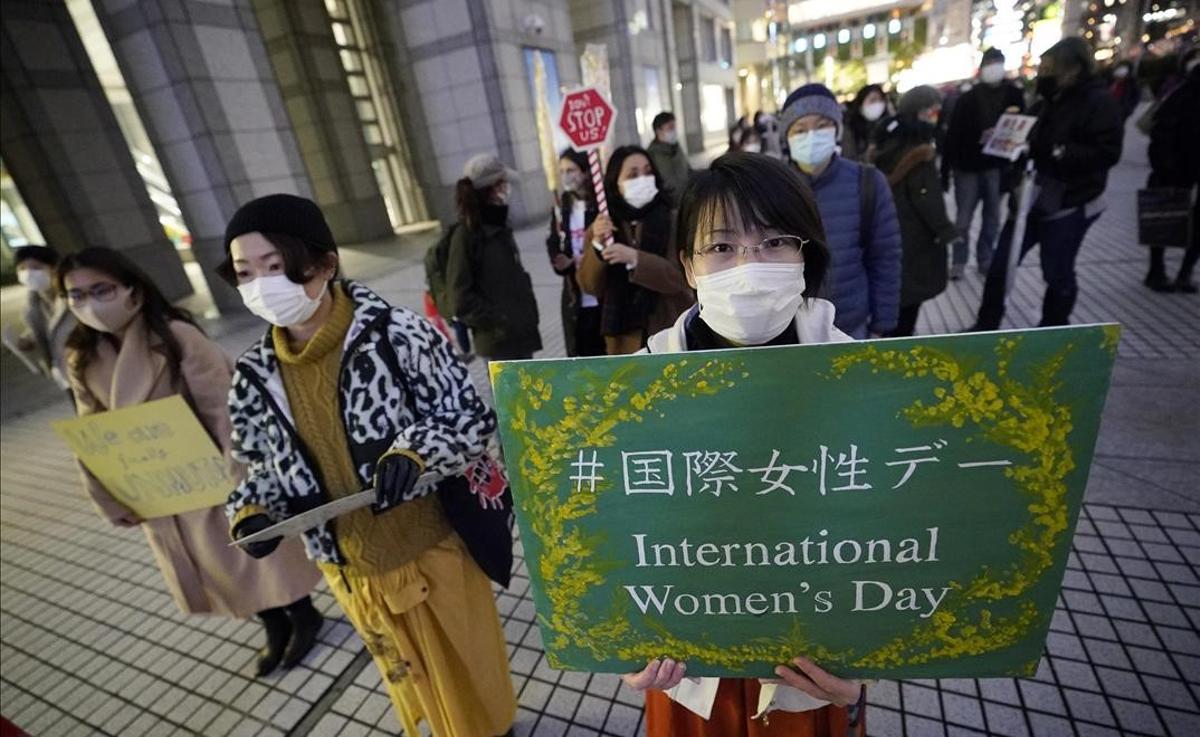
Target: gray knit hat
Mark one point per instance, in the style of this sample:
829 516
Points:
918 99
484 170
811 99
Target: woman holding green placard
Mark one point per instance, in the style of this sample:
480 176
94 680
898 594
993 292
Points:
752 245
132 346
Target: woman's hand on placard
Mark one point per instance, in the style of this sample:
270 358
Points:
129 519
660 673
805 675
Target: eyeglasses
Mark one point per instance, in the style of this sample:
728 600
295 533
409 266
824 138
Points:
103 292
774 249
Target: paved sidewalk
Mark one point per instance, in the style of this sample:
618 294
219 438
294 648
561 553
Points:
90 643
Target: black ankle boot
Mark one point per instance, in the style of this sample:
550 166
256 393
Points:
279 631
306 625
1159 282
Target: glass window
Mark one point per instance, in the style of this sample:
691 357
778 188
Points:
342 34
373 134
714 115
366 110
358 85
708 39
726 47
335 8
351 60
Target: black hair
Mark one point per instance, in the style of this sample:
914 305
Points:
300 258
155 309
741 138
1074 53
662 119
761 192
33 252
616 202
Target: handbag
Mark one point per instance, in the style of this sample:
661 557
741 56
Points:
1164 216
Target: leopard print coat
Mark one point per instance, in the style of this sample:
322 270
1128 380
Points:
430 408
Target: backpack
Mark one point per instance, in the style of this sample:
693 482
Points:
435 270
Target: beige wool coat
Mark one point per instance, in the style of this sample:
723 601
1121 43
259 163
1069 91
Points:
204 574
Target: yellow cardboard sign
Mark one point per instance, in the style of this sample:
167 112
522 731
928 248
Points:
155 458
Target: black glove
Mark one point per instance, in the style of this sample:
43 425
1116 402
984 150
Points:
395 476
250 525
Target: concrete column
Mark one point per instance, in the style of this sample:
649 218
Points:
63 147
316 94
203 85
460 69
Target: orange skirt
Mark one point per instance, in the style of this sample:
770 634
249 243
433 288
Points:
733 716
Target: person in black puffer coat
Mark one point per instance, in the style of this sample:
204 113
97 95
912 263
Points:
1175 162
905 153
1074 143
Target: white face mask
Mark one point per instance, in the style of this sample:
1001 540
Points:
571 181
639 191
1121 72
873 110
279 300
991 74
35 280
812 149
754 148
752 303
670 137
1191 64
502 194
108 317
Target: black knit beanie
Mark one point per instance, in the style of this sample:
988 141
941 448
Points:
282 213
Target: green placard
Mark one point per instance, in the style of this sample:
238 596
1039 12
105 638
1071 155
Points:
894 508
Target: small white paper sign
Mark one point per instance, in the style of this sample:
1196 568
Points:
1009 136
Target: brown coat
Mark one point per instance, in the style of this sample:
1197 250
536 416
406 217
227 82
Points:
661 274
204 574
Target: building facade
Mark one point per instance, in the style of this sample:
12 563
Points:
144 124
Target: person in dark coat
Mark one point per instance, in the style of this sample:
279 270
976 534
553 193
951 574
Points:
638 276
1175 162
669 158
863 113
487 286
1076 140
905 153
573 213
977 176
1124 87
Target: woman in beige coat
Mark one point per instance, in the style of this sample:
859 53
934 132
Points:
132 346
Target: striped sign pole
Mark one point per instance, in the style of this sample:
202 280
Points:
598 186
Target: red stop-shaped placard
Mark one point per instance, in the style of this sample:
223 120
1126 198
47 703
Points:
586 118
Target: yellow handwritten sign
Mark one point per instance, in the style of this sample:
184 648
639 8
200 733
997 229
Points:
155 458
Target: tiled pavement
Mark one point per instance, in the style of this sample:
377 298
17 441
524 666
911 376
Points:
90 643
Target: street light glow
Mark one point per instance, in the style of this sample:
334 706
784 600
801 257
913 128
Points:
819 41
844 36
894 25
869 31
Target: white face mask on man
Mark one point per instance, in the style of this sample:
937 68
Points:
639 191
279 300
991 74
752 303
810 150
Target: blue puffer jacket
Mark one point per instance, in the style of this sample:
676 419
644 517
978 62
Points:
864 279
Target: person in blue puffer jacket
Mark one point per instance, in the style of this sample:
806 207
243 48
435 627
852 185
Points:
865 246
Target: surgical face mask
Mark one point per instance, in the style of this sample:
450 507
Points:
108 317
671 137
874 110
279 300
1191 64
35 280
752 303
1121 72
754 148
991 74
812 149
639 191
571 181
502 194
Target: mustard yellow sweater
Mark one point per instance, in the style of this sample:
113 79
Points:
371 543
